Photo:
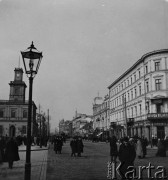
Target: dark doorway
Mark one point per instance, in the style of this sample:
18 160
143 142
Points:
160 132
158 108
12 131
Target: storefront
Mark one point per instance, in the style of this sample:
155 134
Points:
159 124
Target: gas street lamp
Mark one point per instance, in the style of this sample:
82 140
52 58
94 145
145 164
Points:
31 60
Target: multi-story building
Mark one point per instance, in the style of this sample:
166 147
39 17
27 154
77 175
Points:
64 127
139 98
78 122
14 112
101 120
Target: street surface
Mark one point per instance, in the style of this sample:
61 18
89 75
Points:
38 165
46 165
93 163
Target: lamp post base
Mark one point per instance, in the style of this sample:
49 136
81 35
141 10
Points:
27 171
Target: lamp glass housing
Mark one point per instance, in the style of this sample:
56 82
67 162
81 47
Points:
31 60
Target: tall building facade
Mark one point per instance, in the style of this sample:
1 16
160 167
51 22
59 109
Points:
139 98
101 118
14 112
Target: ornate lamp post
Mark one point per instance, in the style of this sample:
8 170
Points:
31 60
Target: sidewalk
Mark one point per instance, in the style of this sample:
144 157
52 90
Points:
38 165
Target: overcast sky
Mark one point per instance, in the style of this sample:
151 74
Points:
86 45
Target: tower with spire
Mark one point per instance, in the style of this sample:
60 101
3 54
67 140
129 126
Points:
18 86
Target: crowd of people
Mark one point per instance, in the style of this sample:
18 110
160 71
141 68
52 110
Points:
76 145
127 149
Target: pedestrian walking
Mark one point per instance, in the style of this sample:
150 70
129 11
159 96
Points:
144 145
161 148
2 146
80 146
126 156
59 145
73 145
55 141
139 150
35 140
132 143
113 149
11 151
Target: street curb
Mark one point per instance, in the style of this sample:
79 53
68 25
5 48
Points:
34 149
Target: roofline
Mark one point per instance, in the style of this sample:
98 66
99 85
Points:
137 63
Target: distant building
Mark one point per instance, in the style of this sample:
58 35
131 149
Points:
78 122
64 127
87 129
14 112
101 119
139 98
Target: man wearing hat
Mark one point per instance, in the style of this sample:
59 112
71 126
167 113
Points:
126 156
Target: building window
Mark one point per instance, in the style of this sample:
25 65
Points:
16 91
147 107
158 108
139 73
131 94
128 112
13 113
134 77
135 92
140 109
132 111
1 113
135 111
140 90
147 86
128 96
24 113
146 69
131 80
157 66
158 84
128 82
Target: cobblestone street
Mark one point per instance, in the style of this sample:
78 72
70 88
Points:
93 163
38 165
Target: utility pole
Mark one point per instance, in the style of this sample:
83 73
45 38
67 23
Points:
48 129
40 127
125 110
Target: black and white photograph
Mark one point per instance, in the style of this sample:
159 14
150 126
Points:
83 89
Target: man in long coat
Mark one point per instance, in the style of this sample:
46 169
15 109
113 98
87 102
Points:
12 152
79 146
73 144
126 156
139 150
113 149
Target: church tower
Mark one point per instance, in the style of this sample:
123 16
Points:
17 87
